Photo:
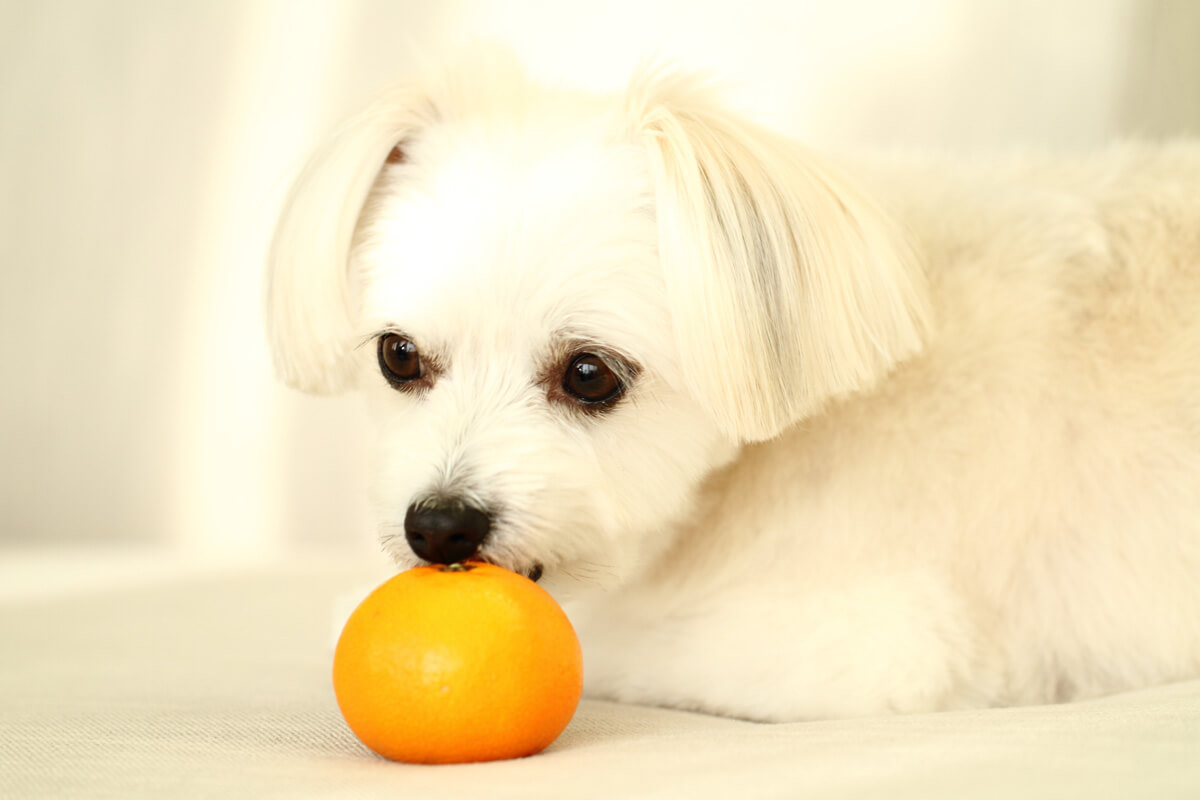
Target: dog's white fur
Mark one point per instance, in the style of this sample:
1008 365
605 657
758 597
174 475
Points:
921 438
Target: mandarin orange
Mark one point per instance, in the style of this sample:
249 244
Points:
467 662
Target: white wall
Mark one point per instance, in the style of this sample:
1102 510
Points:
144 145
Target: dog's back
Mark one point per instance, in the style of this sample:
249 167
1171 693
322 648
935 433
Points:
1070 343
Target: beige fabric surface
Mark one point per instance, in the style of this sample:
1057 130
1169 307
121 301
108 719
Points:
217 685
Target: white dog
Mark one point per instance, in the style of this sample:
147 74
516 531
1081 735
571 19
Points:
793 440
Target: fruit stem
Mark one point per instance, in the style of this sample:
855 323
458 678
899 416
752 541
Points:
457 566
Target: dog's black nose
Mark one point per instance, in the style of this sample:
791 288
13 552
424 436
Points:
443 532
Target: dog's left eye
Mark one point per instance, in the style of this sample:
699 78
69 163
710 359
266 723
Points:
399 360
591 381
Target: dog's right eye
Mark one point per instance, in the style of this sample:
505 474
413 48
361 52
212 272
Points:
399 360
591 382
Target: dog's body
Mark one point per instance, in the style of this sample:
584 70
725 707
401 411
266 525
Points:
1012 516
924 438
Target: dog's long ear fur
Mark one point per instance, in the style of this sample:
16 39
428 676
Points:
308 298
788 286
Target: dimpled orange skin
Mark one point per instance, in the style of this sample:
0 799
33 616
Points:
444 665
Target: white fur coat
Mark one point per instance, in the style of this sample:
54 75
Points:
893 435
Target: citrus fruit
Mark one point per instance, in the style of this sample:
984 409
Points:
452 663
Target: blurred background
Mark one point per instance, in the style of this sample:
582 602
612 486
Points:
145 146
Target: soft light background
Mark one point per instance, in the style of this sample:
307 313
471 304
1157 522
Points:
145 144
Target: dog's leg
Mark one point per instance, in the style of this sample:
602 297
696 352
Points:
886 643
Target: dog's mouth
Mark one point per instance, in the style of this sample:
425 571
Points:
534 572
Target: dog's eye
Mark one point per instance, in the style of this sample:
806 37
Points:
399 360
590 380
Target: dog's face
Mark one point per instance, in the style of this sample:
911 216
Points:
567 310
519 355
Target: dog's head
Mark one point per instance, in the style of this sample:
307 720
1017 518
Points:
568 309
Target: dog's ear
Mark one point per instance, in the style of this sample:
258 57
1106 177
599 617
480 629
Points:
309 303
788 287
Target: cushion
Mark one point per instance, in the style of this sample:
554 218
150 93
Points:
178 681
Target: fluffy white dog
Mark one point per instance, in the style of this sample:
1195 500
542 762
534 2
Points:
793 440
